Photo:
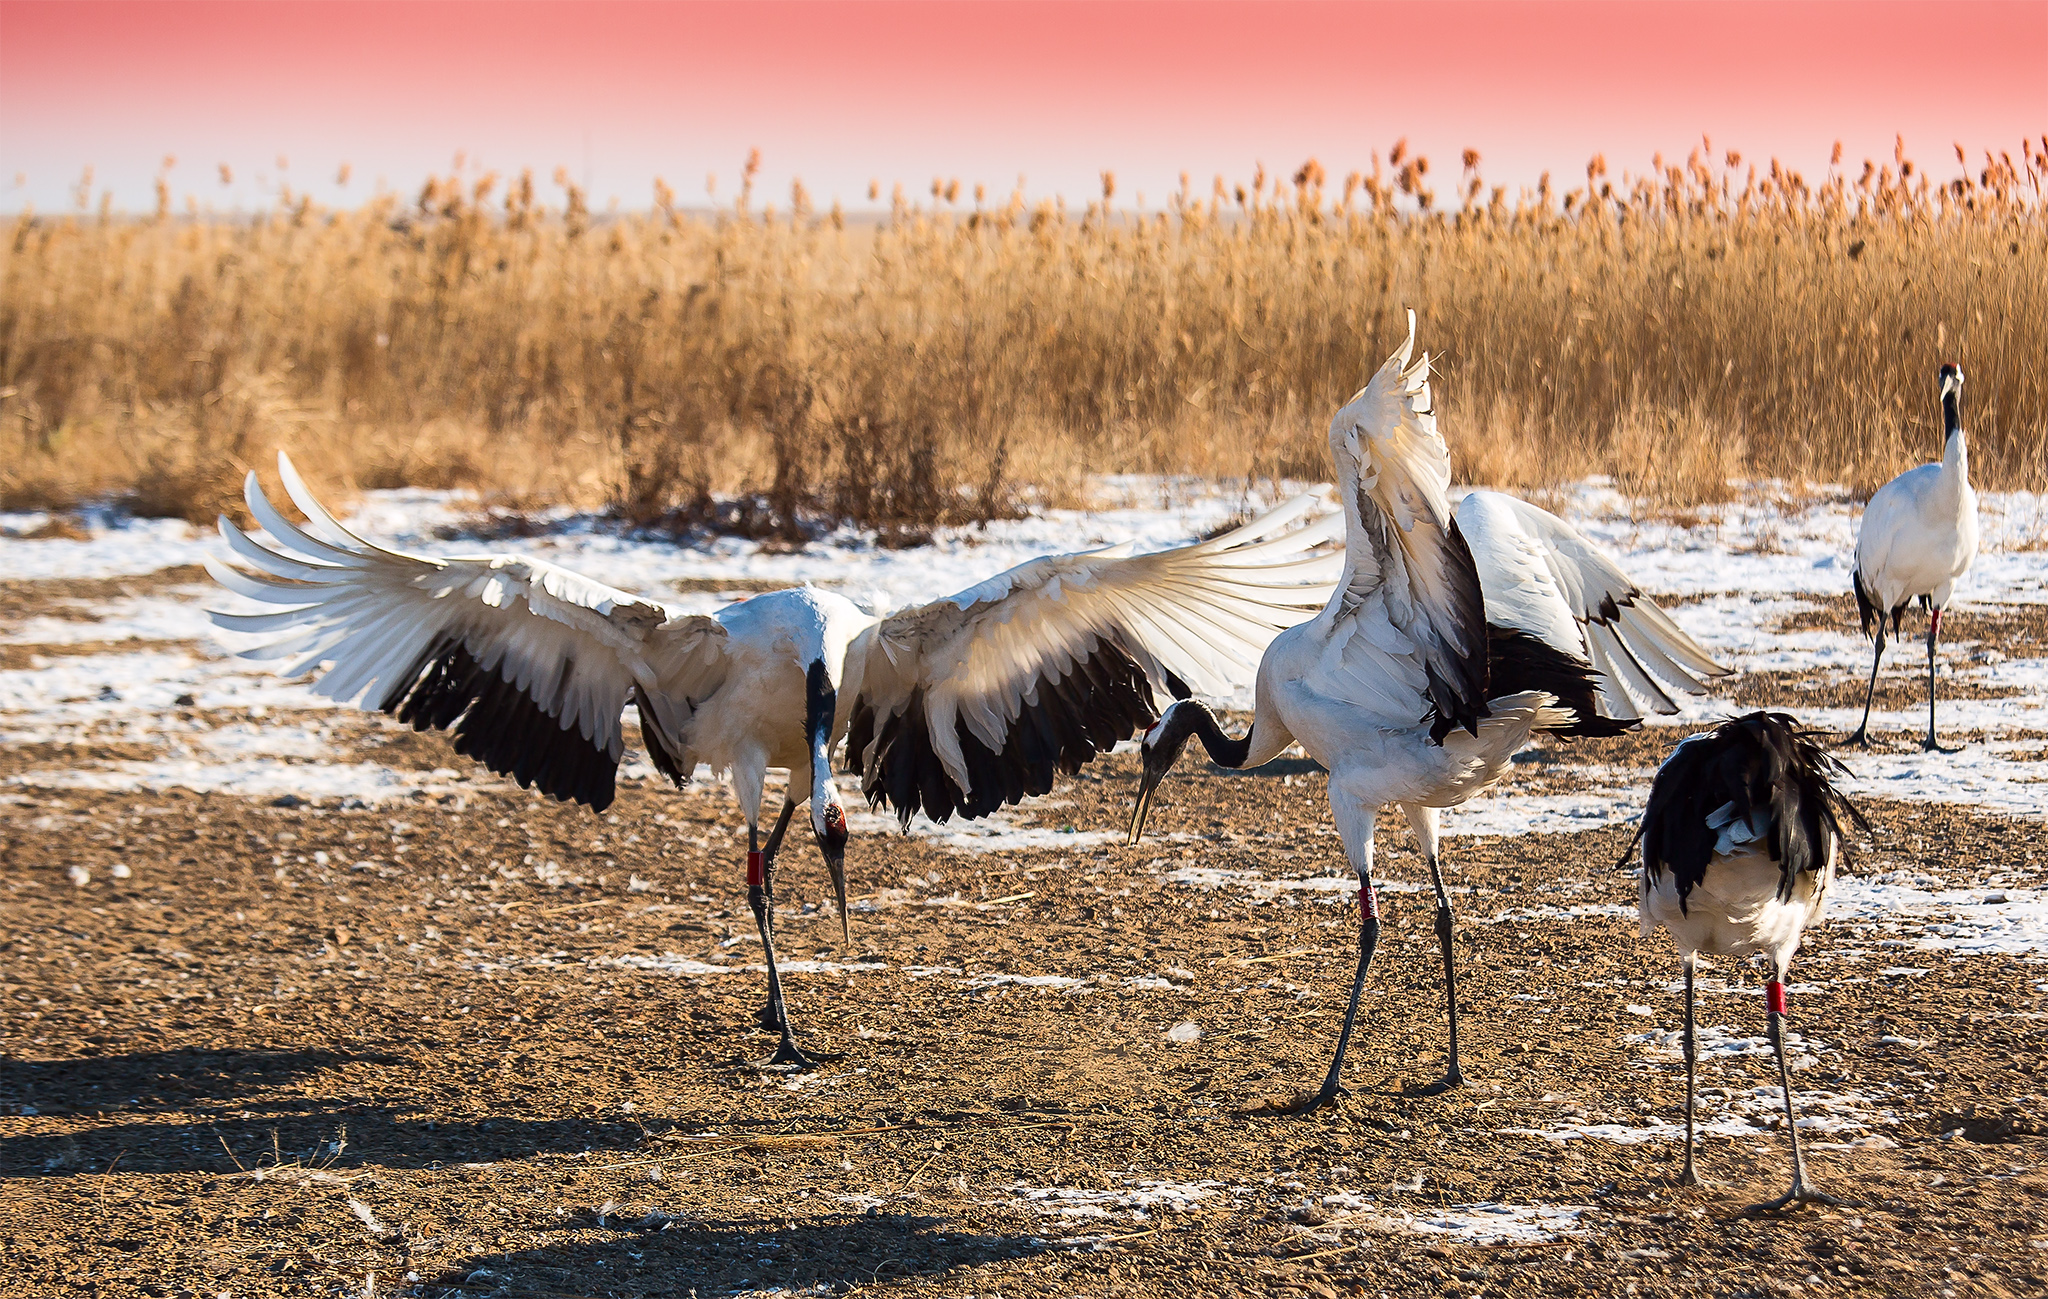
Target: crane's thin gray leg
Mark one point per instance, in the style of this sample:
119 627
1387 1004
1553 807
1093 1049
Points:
1862 735
770 1015
1692 1062
1368 939
781 828
786 1052
1933 633
1801 1193
1355 825
1453 1077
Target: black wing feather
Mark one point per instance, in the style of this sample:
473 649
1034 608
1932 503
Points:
1759 760
500 725
1520 661
1063 722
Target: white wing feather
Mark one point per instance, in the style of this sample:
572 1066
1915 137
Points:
575 647
1202 614
1407 630
1545 577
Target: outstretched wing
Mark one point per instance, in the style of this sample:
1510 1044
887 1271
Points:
1543 576
978 699
528 664
1406 636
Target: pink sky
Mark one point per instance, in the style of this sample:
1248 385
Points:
841 93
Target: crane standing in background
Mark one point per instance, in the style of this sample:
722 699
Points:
1919 534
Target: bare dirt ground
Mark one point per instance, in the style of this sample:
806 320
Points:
488 1045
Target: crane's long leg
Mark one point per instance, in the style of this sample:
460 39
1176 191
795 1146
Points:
1692 1062
786 1052
781 828
1801 1193
1423 821
1862 735
771 1016
1355 824
1933 633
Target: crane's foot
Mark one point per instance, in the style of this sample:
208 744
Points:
1325 1099
1686 1176
789 1057
1800 1193
1932 745
1861 739
1449 1082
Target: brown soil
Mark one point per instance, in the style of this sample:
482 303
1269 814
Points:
2015 630
46 597
224 1055
429 1064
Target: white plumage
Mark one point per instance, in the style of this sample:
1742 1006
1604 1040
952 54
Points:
1918 536
1545 577
1398 687
530 666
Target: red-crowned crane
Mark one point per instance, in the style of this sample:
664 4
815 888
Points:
963 704
1919 534
1739 843
1401 687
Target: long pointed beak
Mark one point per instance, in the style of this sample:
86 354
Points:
835 864
1148 785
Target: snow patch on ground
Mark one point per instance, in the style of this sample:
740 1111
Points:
1483 1223
1140 1200
1007 830
1900 911
254 778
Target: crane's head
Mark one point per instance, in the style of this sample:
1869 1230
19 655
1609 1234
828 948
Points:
1161 748
828 824
1951 399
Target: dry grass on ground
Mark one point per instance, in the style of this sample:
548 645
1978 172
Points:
1707 320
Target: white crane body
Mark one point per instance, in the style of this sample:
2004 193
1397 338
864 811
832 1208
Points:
1919 533
1740 907
1917 538
1400 687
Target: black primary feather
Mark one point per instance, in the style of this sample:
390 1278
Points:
1519 661
1461 699
1061 724
1759 760
499 725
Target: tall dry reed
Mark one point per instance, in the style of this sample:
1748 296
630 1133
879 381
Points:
769 370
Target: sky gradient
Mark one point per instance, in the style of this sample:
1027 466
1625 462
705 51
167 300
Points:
1055 92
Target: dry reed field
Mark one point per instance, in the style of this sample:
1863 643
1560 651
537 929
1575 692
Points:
769 370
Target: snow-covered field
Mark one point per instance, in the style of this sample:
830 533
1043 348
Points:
144 669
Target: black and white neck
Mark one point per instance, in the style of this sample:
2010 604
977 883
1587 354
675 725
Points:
1951 400
1186 719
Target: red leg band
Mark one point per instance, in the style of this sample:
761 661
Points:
1368 903
1774 998
753 870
